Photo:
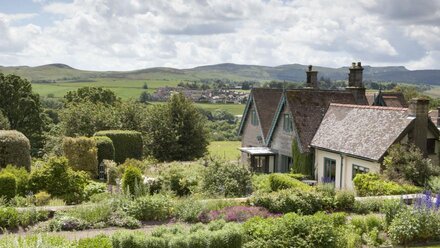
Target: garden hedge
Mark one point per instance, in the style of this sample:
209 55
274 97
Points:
14 149
106 149
82 154
8 185
128 144
280 181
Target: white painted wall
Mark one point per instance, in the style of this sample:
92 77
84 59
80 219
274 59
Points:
347 167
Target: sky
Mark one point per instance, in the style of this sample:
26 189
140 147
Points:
136 34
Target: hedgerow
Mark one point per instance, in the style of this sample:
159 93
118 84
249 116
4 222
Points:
14 149
82 154
127 144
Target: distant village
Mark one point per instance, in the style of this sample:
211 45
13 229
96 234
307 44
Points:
202 95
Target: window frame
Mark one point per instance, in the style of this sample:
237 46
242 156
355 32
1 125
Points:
254 118
429 150
287 123
327 162
360 168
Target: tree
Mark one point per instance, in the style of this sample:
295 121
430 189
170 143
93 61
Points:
176 130
409 92
405 163
92 94
145 86
22 108
85 119
145 97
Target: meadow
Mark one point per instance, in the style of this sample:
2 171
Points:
227 150
126 89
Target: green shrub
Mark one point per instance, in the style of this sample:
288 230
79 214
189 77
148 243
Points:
285 201
283 181
14 149
127 144
121 219
100 241
8 185
21 177
390 208
111 172
42 198
260 183
136 240
82 154
9 218
370 184
105 147
34 240
132 179
292 230
92 214
93 188
188 210
59 180
147 208
226 179
412 226
32 216
180 178
65 223
344 200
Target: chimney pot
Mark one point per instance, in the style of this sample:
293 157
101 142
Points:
310 67
353 65
312 78
359 64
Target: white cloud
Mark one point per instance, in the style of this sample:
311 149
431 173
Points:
133 34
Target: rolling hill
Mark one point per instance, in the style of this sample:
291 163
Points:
291 72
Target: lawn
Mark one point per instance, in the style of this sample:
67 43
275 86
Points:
225 149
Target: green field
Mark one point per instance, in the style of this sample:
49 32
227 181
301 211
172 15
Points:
434 92
225 149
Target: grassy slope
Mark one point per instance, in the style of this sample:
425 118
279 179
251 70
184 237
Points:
225 149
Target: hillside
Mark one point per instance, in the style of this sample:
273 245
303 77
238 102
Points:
291 72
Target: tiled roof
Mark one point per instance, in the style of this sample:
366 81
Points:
362 131
393 99
266 101
308 107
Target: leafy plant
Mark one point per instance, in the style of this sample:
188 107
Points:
132 179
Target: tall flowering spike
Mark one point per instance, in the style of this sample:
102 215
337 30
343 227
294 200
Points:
428 200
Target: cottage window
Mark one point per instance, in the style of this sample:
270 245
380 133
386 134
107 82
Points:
287 123
430 146
357 169
286 164
329 170
254 119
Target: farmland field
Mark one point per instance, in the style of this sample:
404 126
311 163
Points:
225 149
434 92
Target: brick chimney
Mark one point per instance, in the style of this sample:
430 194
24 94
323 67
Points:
355 75
356 84
312 78
437 122
419 108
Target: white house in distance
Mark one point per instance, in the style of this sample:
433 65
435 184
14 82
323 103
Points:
354 139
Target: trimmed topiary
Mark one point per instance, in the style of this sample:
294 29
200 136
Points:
127 144
8 185
106 150
14 149
82 154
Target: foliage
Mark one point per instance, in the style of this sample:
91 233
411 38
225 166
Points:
21 177
147 208
56 178
235 213
97 214
176 131
290 200
411 226
34 240
368 228
434 183
344 200
14 149
128 144
121 219
85 119
100 241
93 95
188 210
228 235
22 108
111 171
105 147
9 218
42 198
131 179
8 185
302 162
93 188
280 181
370 184
222 130
405 163
261 183
81 153
226 179
182 179
4 122
292 230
